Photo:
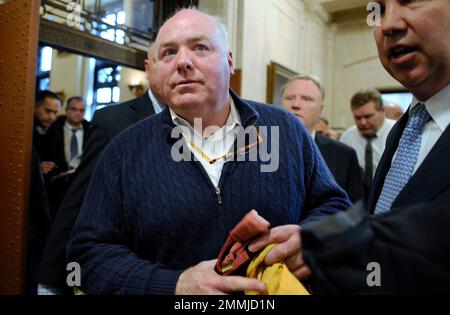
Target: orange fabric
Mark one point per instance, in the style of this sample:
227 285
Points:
277 277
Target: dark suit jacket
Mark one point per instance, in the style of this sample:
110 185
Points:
430 182
343 164
55 151
105 125
409 246
56 185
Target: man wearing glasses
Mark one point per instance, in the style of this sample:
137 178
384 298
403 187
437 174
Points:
66 138
167 191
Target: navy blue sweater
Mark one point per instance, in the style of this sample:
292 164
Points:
147 218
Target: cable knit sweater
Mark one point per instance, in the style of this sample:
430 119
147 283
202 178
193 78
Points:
147 218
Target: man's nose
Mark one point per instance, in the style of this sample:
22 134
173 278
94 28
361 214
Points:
296 105
184 60
392 22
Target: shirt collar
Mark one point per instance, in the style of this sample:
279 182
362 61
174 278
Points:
157 106
70 127
233 118
438 106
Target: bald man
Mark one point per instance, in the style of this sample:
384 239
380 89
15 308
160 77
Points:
168 190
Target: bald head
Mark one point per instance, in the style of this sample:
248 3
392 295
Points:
393 111
188 14
194 66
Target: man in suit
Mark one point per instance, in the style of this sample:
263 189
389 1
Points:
303 96
45 113
368 135
105 124
66 139
422 64
408 237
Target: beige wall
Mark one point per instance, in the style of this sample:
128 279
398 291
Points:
130 76
65 75
355 66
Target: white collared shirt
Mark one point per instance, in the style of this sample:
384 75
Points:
438 106
73 163
353 138
157 106
216 145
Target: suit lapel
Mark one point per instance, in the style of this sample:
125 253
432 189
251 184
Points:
431 177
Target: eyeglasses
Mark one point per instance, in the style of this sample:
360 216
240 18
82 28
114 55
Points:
240 151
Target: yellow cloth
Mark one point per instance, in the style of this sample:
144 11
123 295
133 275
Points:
277 277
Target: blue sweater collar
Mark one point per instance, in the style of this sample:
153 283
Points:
246 111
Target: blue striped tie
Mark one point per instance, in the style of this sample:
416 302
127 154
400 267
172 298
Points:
405 160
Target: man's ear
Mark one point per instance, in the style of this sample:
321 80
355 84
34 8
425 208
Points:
230 62
147 68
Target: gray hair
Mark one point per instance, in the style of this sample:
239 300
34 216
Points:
306 77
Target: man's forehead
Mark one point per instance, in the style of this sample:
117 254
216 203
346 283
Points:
303 86
190 39
187 23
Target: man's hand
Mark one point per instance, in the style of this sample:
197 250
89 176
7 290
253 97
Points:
47 166
287 250
202 279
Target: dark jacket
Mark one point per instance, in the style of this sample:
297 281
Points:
39 222
147 217
58 181
406 250
343 164
55 151
40 139
105 124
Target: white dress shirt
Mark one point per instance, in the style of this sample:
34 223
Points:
354 139
438 106
216 145
157 106
73 163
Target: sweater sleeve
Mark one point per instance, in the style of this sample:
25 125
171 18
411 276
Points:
323 196
99 241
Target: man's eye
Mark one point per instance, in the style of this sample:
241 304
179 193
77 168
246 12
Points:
168 52
201 47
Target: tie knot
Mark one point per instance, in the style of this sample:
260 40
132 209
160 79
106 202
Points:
74 130
419 116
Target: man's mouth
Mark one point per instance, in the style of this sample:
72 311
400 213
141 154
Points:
400 51
185 82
